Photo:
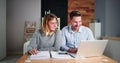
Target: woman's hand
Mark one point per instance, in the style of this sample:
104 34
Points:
33 51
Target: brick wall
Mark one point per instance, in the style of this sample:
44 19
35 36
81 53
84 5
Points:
86 7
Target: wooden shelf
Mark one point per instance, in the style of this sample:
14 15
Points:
111 38
29 29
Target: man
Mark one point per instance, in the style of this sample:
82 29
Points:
74 33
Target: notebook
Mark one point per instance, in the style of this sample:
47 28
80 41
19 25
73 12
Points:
90 48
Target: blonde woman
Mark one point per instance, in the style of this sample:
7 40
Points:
47 38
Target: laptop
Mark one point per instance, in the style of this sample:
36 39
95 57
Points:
90 48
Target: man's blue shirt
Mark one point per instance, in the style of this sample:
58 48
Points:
72 39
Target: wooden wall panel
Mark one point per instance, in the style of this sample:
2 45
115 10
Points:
86 7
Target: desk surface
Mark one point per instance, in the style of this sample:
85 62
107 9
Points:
101 59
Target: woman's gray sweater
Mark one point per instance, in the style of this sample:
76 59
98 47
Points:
43 42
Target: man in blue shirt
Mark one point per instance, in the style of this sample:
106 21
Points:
74 33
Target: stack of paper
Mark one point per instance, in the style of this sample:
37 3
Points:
41 55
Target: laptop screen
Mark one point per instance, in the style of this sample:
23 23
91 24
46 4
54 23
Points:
90 48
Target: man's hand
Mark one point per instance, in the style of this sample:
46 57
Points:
72 50
33 51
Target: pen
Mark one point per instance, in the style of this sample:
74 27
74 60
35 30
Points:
50 53
74 44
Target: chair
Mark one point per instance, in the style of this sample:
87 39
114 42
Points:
25 47
29 29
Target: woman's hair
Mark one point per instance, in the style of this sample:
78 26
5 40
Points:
47 18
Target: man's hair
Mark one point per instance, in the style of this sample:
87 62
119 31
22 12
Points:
74 13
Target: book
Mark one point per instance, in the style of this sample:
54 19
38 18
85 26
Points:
50 54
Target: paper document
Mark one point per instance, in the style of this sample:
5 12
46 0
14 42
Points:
41 55
60 55
50 54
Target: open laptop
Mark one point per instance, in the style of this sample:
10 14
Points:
90 48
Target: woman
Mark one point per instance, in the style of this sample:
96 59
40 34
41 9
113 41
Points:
47 38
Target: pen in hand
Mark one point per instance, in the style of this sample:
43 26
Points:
36 51
33 51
